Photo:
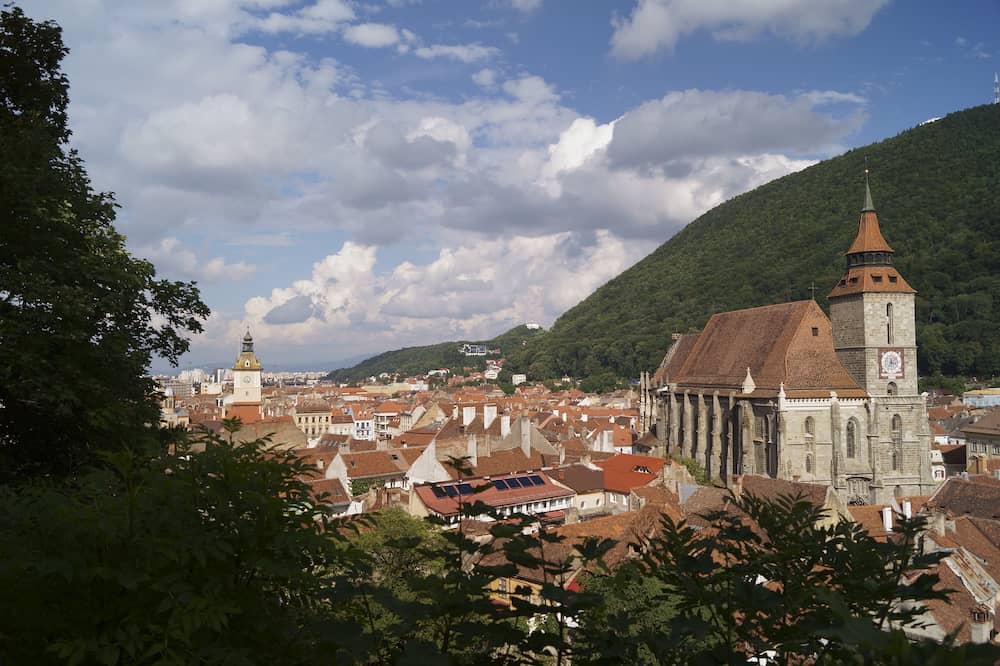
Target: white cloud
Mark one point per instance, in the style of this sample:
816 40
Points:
461 52
372 35
485 77
173 259
693 124
656 25
526 6
321 17
468 290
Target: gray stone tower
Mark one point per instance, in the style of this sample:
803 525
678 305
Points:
872 311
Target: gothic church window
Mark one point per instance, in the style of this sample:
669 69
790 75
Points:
809 464
897 441
810 426
852 438
888 319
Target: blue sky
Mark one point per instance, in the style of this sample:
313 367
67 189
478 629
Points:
346 177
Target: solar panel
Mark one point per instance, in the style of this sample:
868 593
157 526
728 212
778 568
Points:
452 491
537 480
500 484
525 481
513 483
438 492
465 489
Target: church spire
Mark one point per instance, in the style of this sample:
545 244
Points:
869 207
869 247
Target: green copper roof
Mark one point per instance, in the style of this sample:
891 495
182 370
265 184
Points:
869 206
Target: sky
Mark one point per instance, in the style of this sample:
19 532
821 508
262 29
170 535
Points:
346 177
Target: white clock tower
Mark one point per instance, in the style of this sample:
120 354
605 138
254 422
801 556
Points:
246 375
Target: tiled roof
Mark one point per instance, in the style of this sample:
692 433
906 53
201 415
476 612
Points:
622 473
491 495
765 487
862 279
959 497
788 343
511 460
674 359
987 425
380 463
580 478
336 494
869 237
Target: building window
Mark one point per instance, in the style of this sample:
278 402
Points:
815 331
810 426
892 389
888 319
852 438
897 441
809 464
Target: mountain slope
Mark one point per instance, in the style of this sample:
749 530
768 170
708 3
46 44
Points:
937 191
418 360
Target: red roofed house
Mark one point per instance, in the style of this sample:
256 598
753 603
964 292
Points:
530 493
787 392
623 473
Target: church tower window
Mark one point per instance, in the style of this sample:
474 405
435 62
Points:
810 427
888 321
809 464
852 438
897 441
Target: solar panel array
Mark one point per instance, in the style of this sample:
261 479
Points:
463 489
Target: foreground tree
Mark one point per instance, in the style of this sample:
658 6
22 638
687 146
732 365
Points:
80 318
765 582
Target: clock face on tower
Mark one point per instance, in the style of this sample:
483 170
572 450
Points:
246 379
890 363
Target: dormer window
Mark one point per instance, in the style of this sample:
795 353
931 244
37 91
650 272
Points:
893 279
877 278
854 280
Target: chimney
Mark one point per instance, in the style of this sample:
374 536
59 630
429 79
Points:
468 413
981 627
471 450
526 436
504 425
938 522
887 518
454 412
489 415
583 417
736 485
907 509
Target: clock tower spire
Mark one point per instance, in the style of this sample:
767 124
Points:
872 311
246 384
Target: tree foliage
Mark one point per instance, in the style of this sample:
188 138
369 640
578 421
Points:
939 207
80 318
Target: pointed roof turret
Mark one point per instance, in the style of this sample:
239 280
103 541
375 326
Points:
869 259
869 238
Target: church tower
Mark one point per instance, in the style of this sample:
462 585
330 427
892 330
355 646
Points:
246 384
872 311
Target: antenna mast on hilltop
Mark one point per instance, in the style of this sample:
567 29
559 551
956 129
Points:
996 88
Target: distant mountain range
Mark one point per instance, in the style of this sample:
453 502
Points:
418 360
937 191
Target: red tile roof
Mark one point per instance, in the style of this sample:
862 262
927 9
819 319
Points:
491 494
788 343
622 473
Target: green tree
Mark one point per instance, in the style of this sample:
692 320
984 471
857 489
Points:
765 580
216 556
80 318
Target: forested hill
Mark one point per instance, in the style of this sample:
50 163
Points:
418 360
937 191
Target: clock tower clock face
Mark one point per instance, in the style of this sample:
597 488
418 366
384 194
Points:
247 379
890 363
